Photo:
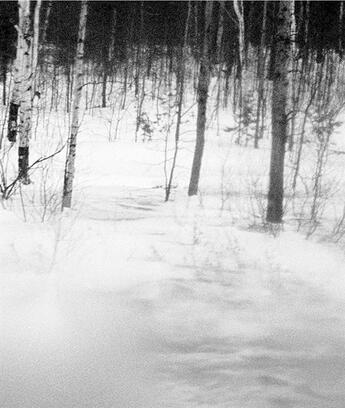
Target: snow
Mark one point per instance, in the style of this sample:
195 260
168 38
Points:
127 301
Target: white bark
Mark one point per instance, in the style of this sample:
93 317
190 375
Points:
238 7
17 73
35 43
77 91
25 108
18 63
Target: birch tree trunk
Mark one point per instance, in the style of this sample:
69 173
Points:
279 115
25 109
35 43
77 91
238 8
203 85
17 78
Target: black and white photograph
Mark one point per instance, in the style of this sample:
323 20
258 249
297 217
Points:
172 204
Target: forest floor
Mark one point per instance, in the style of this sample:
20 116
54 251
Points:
126 301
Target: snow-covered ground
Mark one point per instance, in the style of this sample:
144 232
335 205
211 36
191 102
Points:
127 301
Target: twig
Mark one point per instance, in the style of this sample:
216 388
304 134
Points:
7 190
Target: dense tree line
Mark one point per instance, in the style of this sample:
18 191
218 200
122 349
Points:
274 62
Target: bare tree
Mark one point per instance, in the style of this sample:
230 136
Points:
46 21
78 85
107 55
17 77
25 109
293 69
238 7
24 69
279 114
261 79
179 102
203 85
35 43
340 27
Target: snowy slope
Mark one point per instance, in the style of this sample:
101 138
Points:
127 301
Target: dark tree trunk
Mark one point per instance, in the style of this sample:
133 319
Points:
104 87
23 163
279 116
203 84
4 76
270 73
261 78
180 85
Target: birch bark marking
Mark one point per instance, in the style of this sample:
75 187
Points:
77 91
203 85
25 108
17 79
279 116
35 43
238 8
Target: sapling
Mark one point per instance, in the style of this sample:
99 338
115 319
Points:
180 83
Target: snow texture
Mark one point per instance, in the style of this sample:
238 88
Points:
127 301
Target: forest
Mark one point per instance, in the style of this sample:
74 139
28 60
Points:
172 215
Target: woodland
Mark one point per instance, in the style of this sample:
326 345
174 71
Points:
172 219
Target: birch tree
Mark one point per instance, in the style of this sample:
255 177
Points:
23 73
77 91
35 43
279 114
17 77
25 88
202 91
